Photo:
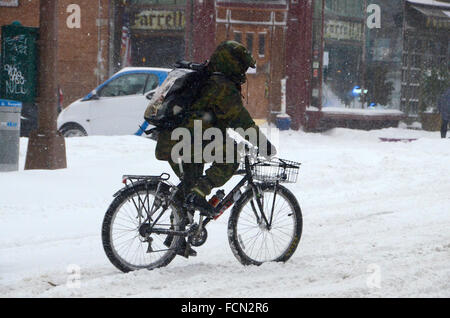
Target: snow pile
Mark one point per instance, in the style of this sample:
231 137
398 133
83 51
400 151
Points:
372 111
376 223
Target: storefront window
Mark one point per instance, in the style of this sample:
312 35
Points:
358 55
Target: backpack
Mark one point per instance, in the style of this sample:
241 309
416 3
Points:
171 101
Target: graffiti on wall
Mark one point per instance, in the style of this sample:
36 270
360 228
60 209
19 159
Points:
15 82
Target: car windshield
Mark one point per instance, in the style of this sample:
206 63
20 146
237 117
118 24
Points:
152 83
129 84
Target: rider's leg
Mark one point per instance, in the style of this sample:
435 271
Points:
192 172
216 176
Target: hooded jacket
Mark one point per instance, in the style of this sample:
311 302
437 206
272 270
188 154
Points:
220 102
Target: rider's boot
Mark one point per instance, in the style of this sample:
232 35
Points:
198 199
184 250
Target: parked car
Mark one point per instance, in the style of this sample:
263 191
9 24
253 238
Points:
116 107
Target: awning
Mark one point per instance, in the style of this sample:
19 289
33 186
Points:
434 12
436 18
435 3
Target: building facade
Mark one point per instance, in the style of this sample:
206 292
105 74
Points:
426 49
284 36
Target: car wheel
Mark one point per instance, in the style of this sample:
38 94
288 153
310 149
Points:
73 130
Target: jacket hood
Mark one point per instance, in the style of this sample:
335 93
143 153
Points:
231 59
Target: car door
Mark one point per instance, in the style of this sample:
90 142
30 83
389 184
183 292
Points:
121 104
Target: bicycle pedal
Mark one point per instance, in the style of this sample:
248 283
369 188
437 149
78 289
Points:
186 250
189 252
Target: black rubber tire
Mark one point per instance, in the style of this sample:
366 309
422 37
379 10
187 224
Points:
108 220
66 128
234 217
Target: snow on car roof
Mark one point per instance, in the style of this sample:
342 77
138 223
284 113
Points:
128 69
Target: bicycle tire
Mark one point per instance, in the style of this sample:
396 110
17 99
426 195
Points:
107 226
235 241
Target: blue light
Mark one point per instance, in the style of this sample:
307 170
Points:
356 91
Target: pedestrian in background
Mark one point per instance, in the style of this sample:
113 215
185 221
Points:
444 110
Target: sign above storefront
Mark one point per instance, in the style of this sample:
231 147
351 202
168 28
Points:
343 30
159 20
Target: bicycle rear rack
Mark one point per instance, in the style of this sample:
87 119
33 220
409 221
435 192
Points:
137 178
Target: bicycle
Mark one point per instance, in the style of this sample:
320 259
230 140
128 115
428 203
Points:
265 224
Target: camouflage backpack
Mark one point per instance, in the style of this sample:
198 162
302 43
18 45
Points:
173 98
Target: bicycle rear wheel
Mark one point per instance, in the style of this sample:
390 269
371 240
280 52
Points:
126 235
252 241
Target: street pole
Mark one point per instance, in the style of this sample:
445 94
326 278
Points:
46 147
363 60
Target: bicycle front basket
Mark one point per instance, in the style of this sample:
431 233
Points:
283 171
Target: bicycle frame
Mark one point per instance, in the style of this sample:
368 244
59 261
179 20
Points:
229 199
219 210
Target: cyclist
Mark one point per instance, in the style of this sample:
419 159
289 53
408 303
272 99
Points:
219 105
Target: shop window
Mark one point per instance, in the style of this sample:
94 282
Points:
152 83
262 44
448 49
416 61
403 106
249 40
406 44
416 45
404 76
443 49
131 84
415 77
405 60
414 107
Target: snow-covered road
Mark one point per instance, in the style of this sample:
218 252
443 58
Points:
376 223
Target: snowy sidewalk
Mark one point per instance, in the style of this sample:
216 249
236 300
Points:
376 223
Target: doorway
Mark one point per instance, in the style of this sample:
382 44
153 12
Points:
157 51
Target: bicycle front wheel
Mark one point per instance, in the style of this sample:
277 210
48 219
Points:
254 239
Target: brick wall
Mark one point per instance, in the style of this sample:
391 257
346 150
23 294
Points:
83 52
80 65
27 13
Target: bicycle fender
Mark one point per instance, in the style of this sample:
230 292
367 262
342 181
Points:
129 187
